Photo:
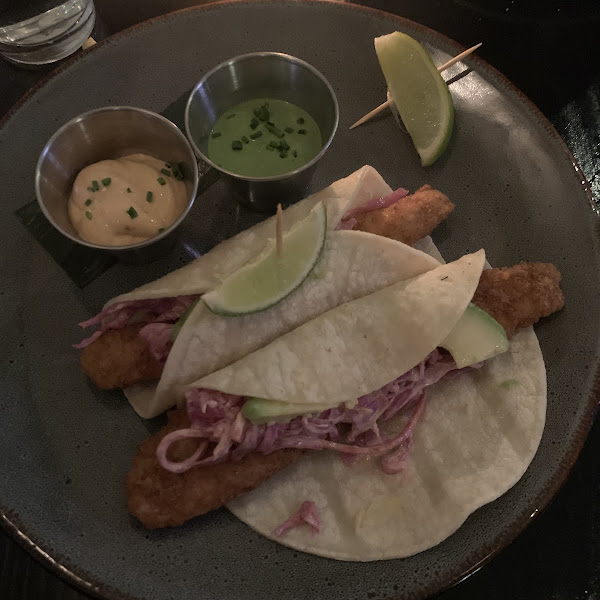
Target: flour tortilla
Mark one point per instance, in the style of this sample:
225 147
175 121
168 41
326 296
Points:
360 346
479 433
477 437
353 264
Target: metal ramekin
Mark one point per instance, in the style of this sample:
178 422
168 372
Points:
105 133
262 75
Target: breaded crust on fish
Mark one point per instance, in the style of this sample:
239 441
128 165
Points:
159 498
119 358
410 219
521 295
515 296
116 359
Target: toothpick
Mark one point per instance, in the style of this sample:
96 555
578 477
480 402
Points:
387 103
278 227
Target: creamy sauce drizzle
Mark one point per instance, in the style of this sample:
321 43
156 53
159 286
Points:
125 201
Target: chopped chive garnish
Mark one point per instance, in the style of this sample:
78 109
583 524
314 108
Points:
302 131
215 134
161 229
274 144
178 171
88 202
283 154
88 214
149 197
165 172
230 116
132 212
289 130
300 121
129 190
262 113
91 189
95 185
161 181
236 145
254 123
295 154
245 139
285 145
256 134
106 181
274 130
271 123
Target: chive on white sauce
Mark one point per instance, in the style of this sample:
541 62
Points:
127 200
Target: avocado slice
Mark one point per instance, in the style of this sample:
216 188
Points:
260 410
475 338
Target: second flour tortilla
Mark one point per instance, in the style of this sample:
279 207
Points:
477 436
475 440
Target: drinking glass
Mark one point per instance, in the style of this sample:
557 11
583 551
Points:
38 32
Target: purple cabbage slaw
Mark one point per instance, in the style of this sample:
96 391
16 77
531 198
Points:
307 513
348 221
162 313
224 434
159 315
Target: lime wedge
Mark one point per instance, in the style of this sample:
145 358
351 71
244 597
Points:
270 277
419 93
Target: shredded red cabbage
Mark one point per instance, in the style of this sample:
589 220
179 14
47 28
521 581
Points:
216 419
374 204
158 338
120 314
347 224
307 513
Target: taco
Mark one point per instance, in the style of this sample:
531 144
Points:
352 382
157 339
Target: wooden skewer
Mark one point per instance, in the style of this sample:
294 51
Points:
387 103
278 230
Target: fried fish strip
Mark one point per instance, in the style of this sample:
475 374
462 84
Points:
409 219
520 296
515 296
159 498
119 360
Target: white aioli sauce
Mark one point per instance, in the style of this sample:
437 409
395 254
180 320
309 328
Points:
114 216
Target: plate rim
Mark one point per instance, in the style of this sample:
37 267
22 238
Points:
76 576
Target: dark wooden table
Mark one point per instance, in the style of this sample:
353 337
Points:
547 49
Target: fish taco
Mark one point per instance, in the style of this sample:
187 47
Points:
157 339
379 426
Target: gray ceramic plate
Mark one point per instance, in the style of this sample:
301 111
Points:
66 447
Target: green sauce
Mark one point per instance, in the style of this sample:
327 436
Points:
263 138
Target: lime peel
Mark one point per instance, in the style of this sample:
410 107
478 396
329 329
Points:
419 92
270 277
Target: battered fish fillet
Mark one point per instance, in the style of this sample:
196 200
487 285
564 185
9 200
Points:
515 296
409 219
121 360
159 498
521 295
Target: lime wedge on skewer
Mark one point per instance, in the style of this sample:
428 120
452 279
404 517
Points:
270 277
419 92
